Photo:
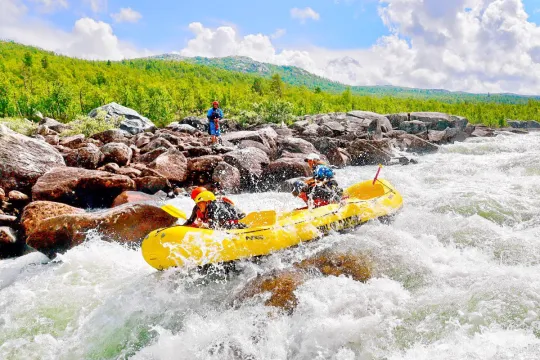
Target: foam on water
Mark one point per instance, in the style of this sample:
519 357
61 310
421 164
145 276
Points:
456 276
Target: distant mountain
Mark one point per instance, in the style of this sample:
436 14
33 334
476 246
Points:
299 77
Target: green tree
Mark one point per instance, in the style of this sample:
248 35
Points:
257 86
276 85
45 62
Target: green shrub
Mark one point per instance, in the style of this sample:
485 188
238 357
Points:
22 126
89 126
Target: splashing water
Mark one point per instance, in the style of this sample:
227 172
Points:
457 277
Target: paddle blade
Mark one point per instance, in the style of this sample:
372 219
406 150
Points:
260 218
174 211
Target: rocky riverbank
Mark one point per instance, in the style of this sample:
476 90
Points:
51 184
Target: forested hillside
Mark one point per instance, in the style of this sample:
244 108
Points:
61 87
293 75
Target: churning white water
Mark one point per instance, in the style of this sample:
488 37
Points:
457 276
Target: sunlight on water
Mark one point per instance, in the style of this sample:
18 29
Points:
457 276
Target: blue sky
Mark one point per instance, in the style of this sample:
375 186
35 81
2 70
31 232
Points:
420 43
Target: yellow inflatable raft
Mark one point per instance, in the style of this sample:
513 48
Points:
269 232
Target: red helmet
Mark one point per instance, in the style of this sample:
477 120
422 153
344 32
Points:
195 192
215 103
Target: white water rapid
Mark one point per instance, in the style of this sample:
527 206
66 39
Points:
457 276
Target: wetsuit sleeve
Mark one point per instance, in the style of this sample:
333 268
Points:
192 218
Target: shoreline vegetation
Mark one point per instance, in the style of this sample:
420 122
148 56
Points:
166 91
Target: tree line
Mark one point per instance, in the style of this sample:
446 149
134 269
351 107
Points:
61 87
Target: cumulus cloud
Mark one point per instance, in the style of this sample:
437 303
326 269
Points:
127 15
88 39
304 14
462 45
225 41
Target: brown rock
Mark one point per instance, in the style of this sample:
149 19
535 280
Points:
152 184
366 152
172 165
117 153
204 163
289 146
141 140
139 166
7 235
250 162
436 136
111 136
2 195
281 286
414 143
358 267
7 220
196 151
152 155
128 223
45 131
54 125
80 187
23 160
17 196
155 144
89 156
38 211
227 177
483 131
129 171
283 169
134 197
250 143
110 167
338 157
73 142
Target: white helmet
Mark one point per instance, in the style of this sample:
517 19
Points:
313 157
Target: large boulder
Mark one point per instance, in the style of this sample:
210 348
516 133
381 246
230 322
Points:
413 127
37 211
202 168
369 152
118 153
135 197
483 131
200 124
397 119
183 128
128 223
132 122
111 136
172 165
88 157
250 143
440 121
152 184
227 177
250 162
74 141
81 187
338 157
23 160
413 143
294 147
359 121
283 169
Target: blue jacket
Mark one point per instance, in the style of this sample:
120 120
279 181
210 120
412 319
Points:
214 114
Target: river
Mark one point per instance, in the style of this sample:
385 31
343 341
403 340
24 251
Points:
457 276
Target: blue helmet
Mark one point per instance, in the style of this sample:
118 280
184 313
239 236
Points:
323 172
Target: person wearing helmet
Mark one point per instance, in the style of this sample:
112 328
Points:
214 115
211 212
320 190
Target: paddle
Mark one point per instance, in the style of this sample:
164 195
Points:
174 211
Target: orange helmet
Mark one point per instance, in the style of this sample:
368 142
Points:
197 191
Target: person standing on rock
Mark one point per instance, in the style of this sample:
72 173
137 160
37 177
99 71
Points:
320 190
215 114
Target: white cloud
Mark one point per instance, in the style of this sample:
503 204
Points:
225 41
127 15
304 14
278 33
51 5
88 39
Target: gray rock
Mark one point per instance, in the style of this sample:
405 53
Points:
198 123
133 122
397 119
183 128
54 125
517 124
440 121
118 153
23 160
290 146
413 127
311 130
